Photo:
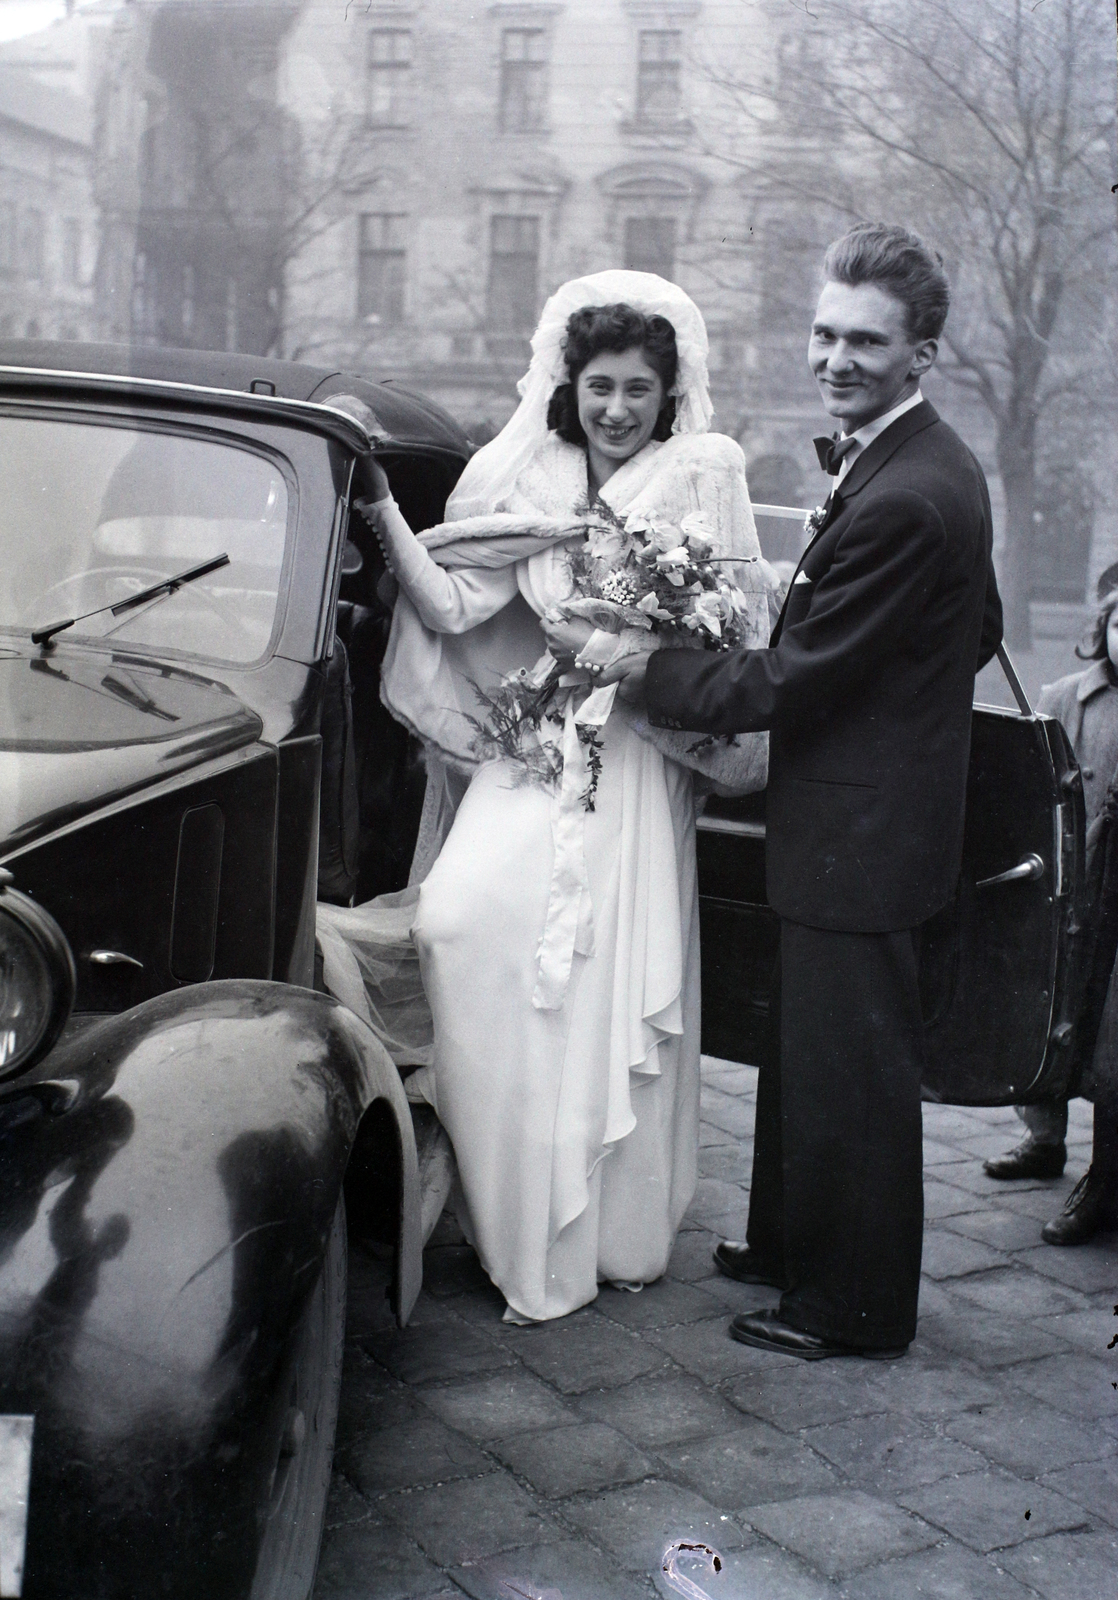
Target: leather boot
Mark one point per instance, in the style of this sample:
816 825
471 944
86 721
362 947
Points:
1090 1208
1028 1160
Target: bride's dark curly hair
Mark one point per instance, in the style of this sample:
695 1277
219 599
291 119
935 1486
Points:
593 329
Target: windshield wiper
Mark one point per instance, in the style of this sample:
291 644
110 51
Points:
167 586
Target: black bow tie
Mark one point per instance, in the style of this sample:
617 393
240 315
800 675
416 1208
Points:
832 452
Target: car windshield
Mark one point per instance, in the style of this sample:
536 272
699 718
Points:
91 515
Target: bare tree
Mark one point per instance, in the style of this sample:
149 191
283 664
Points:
989 126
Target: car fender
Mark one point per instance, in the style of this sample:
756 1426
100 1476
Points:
170 1180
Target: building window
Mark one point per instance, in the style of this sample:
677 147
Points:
389 77
71 250
381 264
660 76
650 245
33 244
523 79
514 256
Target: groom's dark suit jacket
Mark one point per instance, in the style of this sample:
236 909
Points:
866 686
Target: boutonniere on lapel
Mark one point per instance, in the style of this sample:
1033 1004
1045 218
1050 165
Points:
814 521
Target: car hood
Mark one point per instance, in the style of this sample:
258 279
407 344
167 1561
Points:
79 729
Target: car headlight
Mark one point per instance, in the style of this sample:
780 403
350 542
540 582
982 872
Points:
37 981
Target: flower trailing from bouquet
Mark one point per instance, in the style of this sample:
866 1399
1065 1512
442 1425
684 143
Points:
629 577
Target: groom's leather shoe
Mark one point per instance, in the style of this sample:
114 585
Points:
765 1331
740 1262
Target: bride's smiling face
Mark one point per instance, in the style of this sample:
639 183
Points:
619 398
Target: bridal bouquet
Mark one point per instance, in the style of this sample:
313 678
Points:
630 574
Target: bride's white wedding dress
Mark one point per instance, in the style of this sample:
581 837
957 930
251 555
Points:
559 946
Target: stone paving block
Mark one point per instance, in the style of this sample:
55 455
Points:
1014 1292
1028 1437
887 1453
1075 1383
759 1572
931 1387
715 1198
1002 1230
1071 1566
841 1533
944 1572
664 1304
691 1258
493 1408
460 1522
585 1455
403 1458
730 1162
709 1135
753 1464
946 1200
953 1122
371 1398
1091 1484
987 1510
359 1555
729 1114
969 1175
583 1352
1037 1200
988 1340
344 1506
447 1349
949 1255
452 1269
637 1524
707 1350
1090 1329
1093 1267
663 1410
483 1308
938 1154
566 1570
734 1297
811 1393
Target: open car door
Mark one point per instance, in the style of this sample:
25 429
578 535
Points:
1000 969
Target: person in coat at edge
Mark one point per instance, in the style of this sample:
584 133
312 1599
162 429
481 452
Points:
1086 703
866 687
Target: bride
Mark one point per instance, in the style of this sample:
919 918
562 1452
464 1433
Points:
557 922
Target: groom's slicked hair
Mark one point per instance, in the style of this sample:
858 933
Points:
592 329
899 262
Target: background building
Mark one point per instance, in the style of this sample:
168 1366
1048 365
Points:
396 185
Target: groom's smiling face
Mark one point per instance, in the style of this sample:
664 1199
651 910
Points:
861 353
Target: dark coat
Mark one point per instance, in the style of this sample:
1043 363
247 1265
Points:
866 686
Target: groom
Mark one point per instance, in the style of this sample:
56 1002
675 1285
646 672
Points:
866 688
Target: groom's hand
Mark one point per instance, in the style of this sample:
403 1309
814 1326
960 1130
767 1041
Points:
628 674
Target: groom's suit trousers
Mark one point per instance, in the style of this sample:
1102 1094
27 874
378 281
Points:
836 1203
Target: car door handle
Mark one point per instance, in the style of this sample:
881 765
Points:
1026 870
114 958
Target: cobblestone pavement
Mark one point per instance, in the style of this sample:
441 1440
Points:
560 1462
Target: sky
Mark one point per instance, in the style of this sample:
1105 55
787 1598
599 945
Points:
18 17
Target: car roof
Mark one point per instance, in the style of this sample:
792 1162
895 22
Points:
405 419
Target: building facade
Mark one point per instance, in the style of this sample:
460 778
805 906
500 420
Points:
497 151
48 226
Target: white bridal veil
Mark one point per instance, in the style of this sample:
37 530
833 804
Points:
491 474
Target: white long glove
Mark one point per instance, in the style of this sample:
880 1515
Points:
447 602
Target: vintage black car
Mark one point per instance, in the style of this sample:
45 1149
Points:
192 751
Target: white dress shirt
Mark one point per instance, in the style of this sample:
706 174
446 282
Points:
869 431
